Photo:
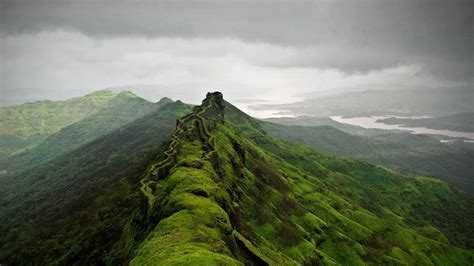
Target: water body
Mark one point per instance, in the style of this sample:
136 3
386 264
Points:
370 122
263 113
452 141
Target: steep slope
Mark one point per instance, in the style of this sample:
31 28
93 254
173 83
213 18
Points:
226 193
191 192
404 152
121 109
73 208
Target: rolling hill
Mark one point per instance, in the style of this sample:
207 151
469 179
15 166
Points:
75 206
26 125
224 192
121 109
406 153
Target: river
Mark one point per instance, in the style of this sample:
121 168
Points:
370 122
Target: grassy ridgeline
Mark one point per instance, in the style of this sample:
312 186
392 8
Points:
231 194
261 200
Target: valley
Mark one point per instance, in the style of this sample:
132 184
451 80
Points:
211 185
410 154
414 125
256 133
463 122
404 102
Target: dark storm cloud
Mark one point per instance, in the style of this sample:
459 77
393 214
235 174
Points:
354 36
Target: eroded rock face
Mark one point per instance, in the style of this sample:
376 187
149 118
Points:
214 106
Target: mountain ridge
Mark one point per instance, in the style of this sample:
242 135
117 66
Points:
210 194
118 110
26 125
73 207
225 192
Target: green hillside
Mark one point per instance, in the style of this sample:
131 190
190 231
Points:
118 111
226 193
223 192
404 152
73 208
28 124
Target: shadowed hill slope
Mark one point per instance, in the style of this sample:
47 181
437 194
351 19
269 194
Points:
28 124
73 208
121 109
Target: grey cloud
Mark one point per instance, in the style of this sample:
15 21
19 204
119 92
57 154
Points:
362 35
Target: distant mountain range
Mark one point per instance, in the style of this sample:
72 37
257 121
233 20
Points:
463 122
26 125
210 185
409 102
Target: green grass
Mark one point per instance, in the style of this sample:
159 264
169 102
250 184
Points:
233 195
410 154
104 118
33 122
288 201
76 207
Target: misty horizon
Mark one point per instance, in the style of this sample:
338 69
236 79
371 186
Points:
59 49
239 132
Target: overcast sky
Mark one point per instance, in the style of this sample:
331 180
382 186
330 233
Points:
270 50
